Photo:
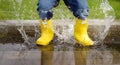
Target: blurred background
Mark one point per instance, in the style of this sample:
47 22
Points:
27 10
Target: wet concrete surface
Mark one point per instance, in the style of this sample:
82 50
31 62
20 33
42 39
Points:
12 53
14 58
47 55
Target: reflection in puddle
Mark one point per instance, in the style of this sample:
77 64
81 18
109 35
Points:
98 57
48 55
80 56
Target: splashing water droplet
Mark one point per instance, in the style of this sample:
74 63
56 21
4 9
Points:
109 17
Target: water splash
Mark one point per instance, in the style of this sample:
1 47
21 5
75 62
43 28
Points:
109 17
24 35
20 27
16 4
65 33
105 10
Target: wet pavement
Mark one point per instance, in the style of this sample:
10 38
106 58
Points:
14 49
14 58
11 54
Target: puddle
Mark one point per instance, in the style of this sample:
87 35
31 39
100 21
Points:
64 54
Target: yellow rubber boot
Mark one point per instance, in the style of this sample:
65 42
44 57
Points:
80 32
47 33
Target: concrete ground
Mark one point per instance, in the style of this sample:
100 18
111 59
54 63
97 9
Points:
9 29
10 39
84 57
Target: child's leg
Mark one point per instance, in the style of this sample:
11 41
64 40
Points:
46 25
80 10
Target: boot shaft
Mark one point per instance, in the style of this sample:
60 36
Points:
81 26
